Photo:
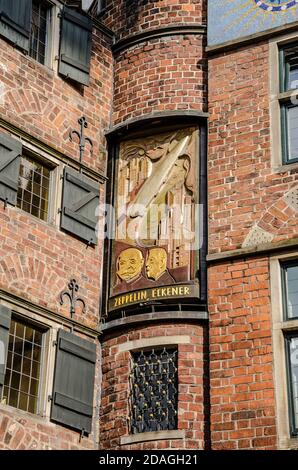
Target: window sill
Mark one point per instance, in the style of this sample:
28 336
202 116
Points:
152 436
288 443
18 414
285 168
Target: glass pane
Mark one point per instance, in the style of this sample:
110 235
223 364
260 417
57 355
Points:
34 387
35 369
29 334
292 291
13 398
20 329
18 346
25 382
26 366
32 404
292 125
15 380
294 377
17 362
28 349
23 402
291 68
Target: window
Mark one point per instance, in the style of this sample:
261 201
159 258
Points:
36 28
290 313
34 187
35 353
23 367
39 30
288 102
292 363
154 390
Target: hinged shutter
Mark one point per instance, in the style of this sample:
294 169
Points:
10 160
15 21
72 399
5 318
79 205
75 46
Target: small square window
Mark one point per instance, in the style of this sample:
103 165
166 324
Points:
39 30
23 368
34 187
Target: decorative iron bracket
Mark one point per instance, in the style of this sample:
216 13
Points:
82 139
73 288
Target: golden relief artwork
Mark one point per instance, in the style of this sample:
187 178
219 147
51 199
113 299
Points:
156 197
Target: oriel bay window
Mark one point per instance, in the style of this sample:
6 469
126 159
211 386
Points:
289 102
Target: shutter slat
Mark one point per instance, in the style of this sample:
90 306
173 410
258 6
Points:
10 160
77 350
73 389
15 21
5 319
79 206
72 404
75 46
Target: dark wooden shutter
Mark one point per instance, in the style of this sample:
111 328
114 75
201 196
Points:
72 400
10 160
15 21
75 46
79 205
5 318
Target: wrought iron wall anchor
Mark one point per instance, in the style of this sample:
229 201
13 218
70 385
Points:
82 139
73 288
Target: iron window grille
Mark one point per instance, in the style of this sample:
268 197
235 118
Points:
288 102
34 187
39 30
154 390
23 368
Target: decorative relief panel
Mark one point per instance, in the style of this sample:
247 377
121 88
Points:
156 234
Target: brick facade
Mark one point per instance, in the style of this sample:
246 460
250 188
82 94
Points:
192 388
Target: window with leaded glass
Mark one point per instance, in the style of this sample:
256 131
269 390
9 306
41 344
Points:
154 390
288 102
23 368
34 187
39 30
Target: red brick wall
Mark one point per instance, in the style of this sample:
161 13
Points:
166 74
243 189
37 260
35 99
241 362
115 387
126 17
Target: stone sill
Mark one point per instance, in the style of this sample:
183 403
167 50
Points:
152 436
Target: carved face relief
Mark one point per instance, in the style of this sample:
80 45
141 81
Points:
129 264
156 263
